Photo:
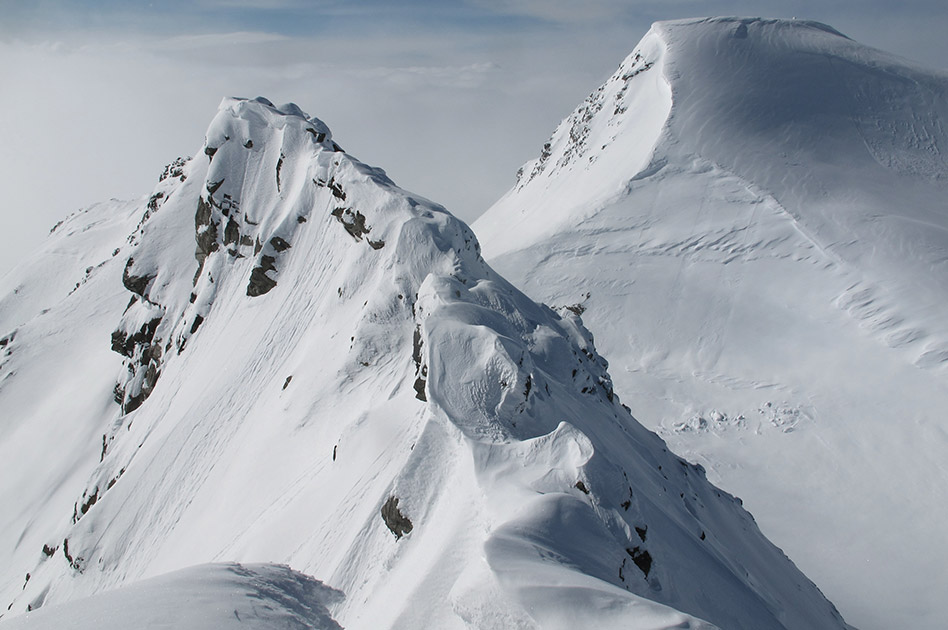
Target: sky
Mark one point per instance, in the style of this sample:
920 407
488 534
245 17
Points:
450 98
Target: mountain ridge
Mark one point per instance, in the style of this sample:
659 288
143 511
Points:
346 387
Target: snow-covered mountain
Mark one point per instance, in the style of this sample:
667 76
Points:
753 217
281 357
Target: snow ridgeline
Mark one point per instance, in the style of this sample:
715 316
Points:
317 368
752 214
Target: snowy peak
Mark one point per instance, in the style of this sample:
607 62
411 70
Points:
721 86
270 176
819 94
795 33
752 215
319 369
597 129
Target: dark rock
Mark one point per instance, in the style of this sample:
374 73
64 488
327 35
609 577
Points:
147 332
375 244
151 377
153 201
203 215
279 244
317 135
209 152
337 190
279 167
642 531
135 284
231 232
125 345
49 551
248 144
198 320
206 242
213 187
397 522
286 383
416 345
260 282
420 369
641 558
175 169
353 222
92 499
133 402
420 389
76 563
205 235
582 487
114 480
119 342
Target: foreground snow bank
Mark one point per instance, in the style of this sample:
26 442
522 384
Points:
220 596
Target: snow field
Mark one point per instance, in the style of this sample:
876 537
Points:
768 287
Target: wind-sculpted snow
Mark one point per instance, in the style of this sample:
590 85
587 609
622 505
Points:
756 233
298 362
220 596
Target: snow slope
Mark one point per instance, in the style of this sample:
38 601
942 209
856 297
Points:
220 596
290 360
753 216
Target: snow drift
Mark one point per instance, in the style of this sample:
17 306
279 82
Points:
220 596
753 216
280 356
